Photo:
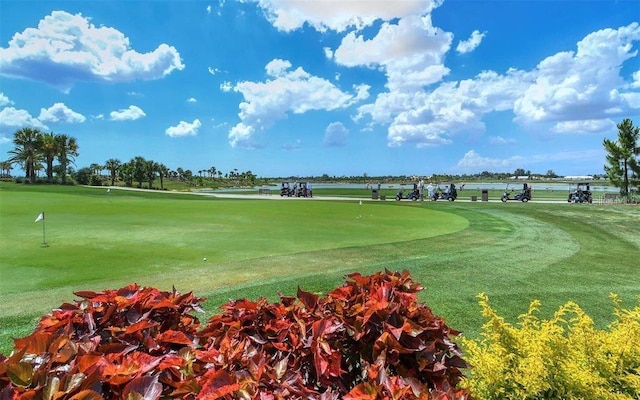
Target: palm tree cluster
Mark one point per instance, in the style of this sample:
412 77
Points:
33 149
137 170
5 169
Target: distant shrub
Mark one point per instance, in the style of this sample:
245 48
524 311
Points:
83 176
369 339
95 180
564 357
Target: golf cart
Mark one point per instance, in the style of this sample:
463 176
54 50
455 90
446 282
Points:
414 195
581 194
523 196
449 193
286 190
302 189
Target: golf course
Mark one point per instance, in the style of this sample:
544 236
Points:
228 248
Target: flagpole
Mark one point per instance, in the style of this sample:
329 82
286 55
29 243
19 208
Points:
44 241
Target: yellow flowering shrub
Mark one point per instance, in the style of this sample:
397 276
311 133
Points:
564 357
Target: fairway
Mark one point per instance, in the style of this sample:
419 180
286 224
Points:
514 252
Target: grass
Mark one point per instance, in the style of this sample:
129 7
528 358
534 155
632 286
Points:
513 252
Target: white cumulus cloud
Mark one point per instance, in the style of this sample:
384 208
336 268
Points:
192 100
565 88
289 15
636 80
582 84
288 90
584 127
59 112
433 118
472 162
184 129
4 100
335 135
411 52
127 114
66 48
12 117
467 46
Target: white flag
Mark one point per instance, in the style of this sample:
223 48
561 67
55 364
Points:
360 202
40 217
108 190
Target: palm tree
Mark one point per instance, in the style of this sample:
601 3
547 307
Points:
139 165
38 167
67 148
162 172
49 152
188 175
113 164
150 172
6 168
96 169
28 143
126 173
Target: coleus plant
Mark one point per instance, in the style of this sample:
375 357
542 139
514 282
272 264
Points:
368 339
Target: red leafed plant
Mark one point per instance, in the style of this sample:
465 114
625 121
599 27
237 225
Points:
128 343
369 339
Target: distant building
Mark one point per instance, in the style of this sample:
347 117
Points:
579 177
520 177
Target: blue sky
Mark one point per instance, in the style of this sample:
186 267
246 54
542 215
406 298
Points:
294 87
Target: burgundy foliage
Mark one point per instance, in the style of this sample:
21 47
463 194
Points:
369 339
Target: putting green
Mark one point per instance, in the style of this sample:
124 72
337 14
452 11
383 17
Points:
104 241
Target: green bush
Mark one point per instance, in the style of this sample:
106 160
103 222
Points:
95 180
83 176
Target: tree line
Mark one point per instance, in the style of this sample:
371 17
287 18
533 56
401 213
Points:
35 151
140 170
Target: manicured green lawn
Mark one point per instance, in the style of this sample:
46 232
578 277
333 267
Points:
513 252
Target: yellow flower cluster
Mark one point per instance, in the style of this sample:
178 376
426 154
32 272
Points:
563 357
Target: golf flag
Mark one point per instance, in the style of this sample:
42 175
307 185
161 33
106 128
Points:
108 190
360 202
40 217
